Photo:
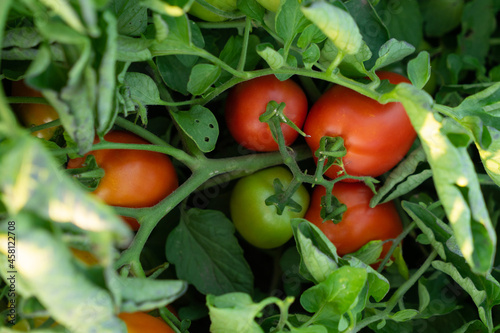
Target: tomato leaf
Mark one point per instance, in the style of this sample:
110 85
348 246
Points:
310 35
235 312
142 91
46 269
478 114
252 9
454 177
338 293
142 294
484 289
289 20
202 77
403 178
370 252
336 24
391 52
132 17
133 49
318 255
273 58
206 253
419 69
52 196
311 55
351 64
200 125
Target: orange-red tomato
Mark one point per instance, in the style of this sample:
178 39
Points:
132 178
376 136
360 224
248 100
140 322
32 115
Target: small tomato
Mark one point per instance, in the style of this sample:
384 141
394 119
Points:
133 178
258 223
360 223
32 115
140 322
376 136
248 100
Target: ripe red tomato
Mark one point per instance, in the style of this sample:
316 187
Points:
360 224
376 136
140 322
248 100
133 178
32 115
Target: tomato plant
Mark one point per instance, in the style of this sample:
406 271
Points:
259 223
376 136
223 97
140 322
247 101
360 223
133 178
34 114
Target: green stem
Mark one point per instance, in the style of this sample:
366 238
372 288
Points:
27 100
50 124
395 244
246 36
398 294
222 25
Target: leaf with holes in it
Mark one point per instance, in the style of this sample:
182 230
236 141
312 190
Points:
200 125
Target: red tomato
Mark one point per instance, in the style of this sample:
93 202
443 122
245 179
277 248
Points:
140 322
360 224
32 115
133 178
248 100
376 136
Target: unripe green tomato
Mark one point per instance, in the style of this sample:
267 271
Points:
258 223
205 14
271 5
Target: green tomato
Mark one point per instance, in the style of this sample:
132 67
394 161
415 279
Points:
271 5
205 14
258 223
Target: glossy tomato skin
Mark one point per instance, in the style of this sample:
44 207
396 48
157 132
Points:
376 136
360 224
32 115
248 100
133 178
140 322
259 224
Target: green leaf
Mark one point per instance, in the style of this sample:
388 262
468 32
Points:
403 315
132 17
318 254
474 326
289 20
200 125
202 77
235 312
478 23
52 195
23 37
437 296
419 69
435 23
107 108
252 9
370 252
392 51
310 34
484 289
336 24
402 19
339 291
46 268
311 55
130 49
378 285
142 294
403 178
478 114
373 30
454 177
143 90
273 58
206 253
353 65
174 73
423 295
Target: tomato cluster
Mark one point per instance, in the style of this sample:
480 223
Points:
376 138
